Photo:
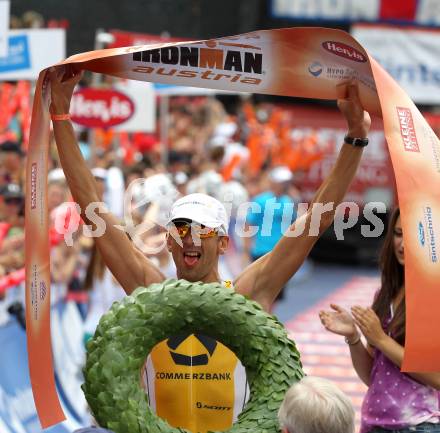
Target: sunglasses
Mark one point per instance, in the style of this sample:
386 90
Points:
181 228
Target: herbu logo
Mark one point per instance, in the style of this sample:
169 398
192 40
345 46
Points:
216 61
344 50
181 359
407 130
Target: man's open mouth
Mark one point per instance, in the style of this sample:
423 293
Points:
191 257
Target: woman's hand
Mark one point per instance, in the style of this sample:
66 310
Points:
62 80
339 322
369 324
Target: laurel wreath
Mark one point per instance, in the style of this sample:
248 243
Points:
131 328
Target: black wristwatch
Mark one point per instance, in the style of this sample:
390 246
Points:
357 142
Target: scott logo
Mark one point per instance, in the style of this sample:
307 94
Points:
201 405
421 234
343 50
315 69
43 290
407 129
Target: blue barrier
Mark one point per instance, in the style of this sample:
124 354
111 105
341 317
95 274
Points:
69 357
9 419
17 408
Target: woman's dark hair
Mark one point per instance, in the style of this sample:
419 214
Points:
392 279
95 269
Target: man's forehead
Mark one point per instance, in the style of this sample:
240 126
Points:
182 221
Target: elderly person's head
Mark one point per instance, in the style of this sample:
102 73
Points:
316 405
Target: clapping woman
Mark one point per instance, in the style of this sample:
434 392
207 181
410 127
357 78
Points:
395 401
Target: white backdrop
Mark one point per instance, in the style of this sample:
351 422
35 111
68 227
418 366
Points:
30 51
4 27
411 56
421 13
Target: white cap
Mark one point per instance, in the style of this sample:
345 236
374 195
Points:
206 183
234 193
56 175
225 129
202 209
180 178
100 173
218 141
157 189
280 174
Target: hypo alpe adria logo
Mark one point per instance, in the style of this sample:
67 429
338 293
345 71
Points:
315 69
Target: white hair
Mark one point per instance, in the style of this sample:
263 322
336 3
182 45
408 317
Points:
316 405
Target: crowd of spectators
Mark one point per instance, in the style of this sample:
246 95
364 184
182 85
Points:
34 20
230 155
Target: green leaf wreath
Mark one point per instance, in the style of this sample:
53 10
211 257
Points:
128 332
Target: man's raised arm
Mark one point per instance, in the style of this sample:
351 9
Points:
263 279
127 264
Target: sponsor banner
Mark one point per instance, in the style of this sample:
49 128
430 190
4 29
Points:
100 108
207 376
125 39
427 235
326 10
415 154
411 56
28 52
274 62
144 100
417 12
18 57
407 129
132 109
4 27
37 265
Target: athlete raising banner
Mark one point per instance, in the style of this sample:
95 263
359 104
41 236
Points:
193 381
300 62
